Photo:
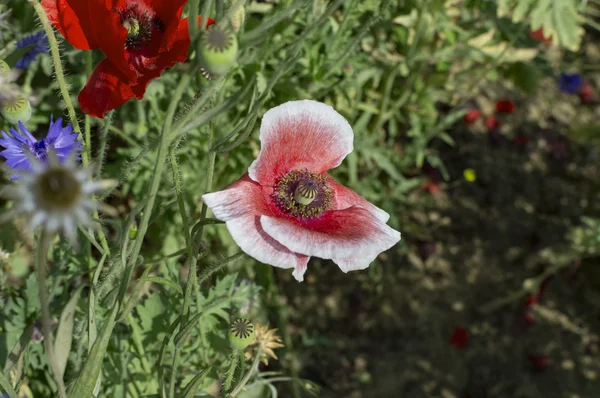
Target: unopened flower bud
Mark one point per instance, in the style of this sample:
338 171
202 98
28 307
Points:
218 50
241 333
4 66
133 231
18 109
237 19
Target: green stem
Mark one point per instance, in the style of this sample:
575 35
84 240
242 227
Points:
5 385
154 184
64 91
211 269
58 71
40 264
186 229
103 141
233 360
88 120
244 381
137 340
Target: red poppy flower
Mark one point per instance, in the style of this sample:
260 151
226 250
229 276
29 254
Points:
492 122
539 36
505 106
539 362
140 39
586 93
286 208
520 140
472 115
431 186
459 338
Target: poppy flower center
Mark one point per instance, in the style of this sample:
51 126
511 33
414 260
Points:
57 188
302 194
140 23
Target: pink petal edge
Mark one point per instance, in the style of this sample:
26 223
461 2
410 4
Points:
348 233
300 135
346 197
240 206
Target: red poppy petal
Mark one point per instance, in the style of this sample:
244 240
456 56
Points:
472 115
110 34
345 198
300 135
71 18
459 338
492 123
106 89
166 10
352 232
505 106
180 32
240 206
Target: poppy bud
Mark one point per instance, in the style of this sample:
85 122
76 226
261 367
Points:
16 110
133 231
218 50
237 19
241 333
4 66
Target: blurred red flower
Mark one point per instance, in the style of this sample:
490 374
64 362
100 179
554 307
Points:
505 106
431 186
459 338
492 122
140 39
539 36
520 140
539 362
472 116
587 93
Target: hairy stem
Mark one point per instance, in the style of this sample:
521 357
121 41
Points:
40 265
58 70
246 377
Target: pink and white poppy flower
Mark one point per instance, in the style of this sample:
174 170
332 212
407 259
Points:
286 208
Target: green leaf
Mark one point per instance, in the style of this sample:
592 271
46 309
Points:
64 334
192 386
559 19
163 281
86 382
17 351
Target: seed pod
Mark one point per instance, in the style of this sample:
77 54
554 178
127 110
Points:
16 110
4 66
218 50
241 333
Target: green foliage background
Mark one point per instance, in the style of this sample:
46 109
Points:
402 72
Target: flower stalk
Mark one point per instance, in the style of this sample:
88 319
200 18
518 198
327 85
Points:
40 264
242 383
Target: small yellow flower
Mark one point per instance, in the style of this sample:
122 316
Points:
470 175
268 340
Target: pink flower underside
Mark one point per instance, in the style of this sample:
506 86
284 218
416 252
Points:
352 234
300 135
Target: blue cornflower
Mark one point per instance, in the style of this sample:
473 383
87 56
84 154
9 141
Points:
20 145
39 45
570 83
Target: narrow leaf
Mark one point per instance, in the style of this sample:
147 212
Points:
64 334
192 386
